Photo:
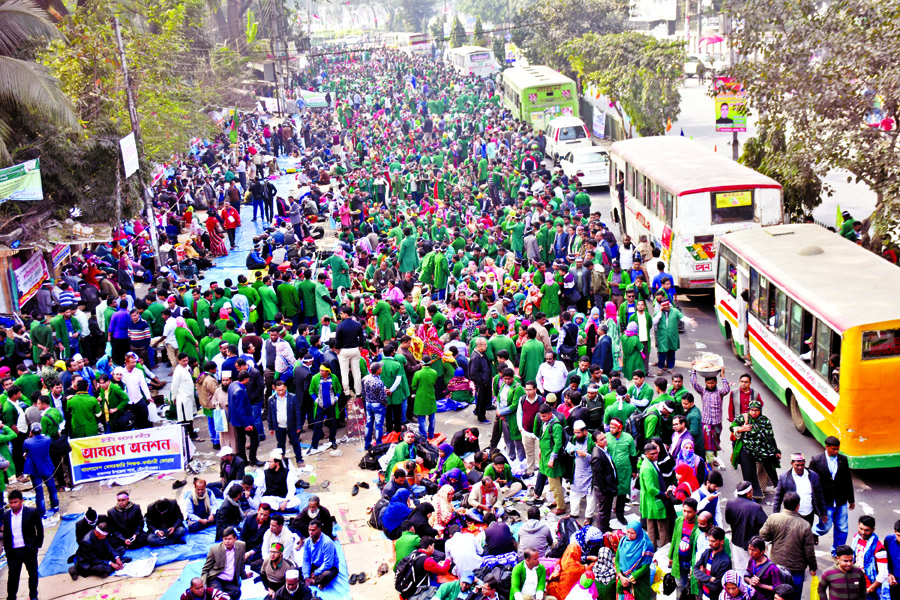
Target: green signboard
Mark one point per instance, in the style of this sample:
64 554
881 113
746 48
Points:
21 182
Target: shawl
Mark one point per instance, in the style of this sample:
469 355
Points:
686 475
745 592
611 312
634 554
397 511
444 512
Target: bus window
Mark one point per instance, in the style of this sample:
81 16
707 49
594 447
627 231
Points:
779 321
670 208
764 312
754 293
826 340
727 275
654 198
732 207
796 333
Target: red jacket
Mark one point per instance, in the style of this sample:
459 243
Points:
231 217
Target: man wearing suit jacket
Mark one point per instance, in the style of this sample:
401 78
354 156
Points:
40 467
604 480
23 536
224 566
833 470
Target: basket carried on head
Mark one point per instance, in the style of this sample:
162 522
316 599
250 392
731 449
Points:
708 365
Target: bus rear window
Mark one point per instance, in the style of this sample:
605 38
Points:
732 207
882 343
571 133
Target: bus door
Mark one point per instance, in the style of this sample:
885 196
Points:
742 335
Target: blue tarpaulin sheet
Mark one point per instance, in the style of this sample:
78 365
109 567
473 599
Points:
448 405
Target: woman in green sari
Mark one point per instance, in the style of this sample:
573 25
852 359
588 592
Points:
187 343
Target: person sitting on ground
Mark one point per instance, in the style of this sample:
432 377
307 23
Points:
398 482
252 533
314 510
275 568
126 524
85 524
500 471
166 523
198 507
536 534
198 591
279 533
465 441
449 460
250 496
95 556
407 543
279 483
462 547
224 566
498 541
529 578
484 497
425 566
229 513
455 478
231 468
319 557
294 588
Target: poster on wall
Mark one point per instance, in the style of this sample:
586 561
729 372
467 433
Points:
731 105
30 276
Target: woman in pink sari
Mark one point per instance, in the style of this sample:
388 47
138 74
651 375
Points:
216 243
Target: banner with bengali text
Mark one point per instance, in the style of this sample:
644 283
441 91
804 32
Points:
159 449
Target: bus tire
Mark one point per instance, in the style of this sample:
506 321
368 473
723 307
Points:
796 415
729 336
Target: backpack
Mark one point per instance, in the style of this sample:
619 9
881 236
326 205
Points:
634 426
785 574
405 582
596 409
565 529
375 515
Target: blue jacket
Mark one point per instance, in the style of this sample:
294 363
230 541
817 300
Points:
323 555
240 413
293 411
37 457
603 355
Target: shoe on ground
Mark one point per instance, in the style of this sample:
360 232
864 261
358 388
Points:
73 573
559 511
334 445
363 484
485 422
353 579
217 447
355 490
361 578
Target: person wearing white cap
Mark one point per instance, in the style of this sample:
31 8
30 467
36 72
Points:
294 587
807 484
581 447
278 486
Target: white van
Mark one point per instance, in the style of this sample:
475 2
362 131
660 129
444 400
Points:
564 134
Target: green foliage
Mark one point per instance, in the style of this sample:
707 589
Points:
542 30
772 154
252 28
640 73
494 12
437 31
499 47
816 71
166 74
26 87
478 36
457 34
414 14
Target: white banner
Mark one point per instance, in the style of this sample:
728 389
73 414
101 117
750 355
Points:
30 276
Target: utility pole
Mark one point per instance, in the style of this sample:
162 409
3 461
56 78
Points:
136 128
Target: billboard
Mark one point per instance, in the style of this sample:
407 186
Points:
731 105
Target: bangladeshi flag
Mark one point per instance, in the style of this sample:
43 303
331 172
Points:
233 130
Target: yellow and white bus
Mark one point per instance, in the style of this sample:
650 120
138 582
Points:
411 43
683 196
821 322
472 60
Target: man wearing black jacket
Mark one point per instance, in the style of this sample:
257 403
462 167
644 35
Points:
302 376
745 516
252 533
480 374
712 564
23 536
126 524
349 338
833 470
604 480
256 392
166 523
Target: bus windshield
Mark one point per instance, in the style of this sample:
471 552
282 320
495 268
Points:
732 207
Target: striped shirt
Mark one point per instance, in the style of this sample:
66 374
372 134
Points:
837 585
711 401
67 298
139 333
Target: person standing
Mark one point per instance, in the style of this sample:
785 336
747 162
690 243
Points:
653 497
604 481
526 414
792 540
871 557
182 393
806 484
622 450
284 419
349 338
39 466
551 376
668 340
374 395
746 518
240 415
549 430
480 374
845 580
712 565
711 415
232 219
833 470
23 536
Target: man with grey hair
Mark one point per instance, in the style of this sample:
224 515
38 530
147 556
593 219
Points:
374 394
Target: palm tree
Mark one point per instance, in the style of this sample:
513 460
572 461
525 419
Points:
27 86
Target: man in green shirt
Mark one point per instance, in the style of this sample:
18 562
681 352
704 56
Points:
406 544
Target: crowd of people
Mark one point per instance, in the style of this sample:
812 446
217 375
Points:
461 272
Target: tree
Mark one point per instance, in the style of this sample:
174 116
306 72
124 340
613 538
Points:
543 29
493 11
478 36
639 73
27 87
413 14
827 76
457 34
437 31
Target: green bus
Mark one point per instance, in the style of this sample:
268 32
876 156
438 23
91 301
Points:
537 94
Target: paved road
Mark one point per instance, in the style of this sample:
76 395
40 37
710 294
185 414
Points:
876 489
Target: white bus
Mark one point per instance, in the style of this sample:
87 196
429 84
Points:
683 197
411 43
472 60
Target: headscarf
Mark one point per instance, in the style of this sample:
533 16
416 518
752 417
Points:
631 330
397 511
462 482
635 553
284 356
447 449
594 319
605 568
444 506
611 312
745 592
180 322
420 515
687 455
687 475
589 538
